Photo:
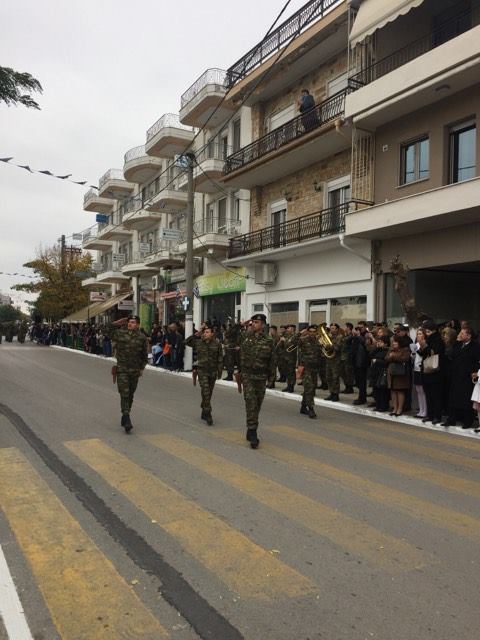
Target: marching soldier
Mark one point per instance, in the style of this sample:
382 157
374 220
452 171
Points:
131 350
257 360
231 342
289 354
334 363
282 376
209 359
273 333
308 359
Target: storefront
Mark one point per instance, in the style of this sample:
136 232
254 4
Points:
221 294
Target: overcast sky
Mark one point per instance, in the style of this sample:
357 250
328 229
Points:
109 70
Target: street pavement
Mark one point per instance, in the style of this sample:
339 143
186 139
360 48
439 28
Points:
341 528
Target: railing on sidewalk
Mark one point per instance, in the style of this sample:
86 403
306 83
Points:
319 224
449 29
292 27
216 77
321 114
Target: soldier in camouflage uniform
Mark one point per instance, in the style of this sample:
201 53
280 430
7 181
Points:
131 350
208 355
257 361
334 363
308 361
288 349
273 333
9 331
231 343
22 332
282 376
347 372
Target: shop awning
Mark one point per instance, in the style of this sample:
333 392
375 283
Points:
96 309
375 14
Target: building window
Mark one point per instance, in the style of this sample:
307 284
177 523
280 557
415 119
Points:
284 313
279 118
415 160
257 308
236 134
463 140
222 215
236 209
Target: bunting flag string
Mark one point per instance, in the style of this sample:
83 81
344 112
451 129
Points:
46 172
16 275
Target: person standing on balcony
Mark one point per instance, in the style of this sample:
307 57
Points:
306 105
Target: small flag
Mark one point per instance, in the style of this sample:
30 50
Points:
196 290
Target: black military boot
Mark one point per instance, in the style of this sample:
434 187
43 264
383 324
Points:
252 438
289 389
304 409
127 423
311 412
208 418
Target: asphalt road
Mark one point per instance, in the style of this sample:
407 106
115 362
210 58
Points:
343 528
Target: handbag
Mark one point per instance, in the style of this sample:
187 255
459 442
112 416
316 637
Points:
382 380
398 368
431 364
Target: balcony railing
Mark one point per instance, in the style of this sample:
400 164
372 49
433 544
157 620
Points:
135 153
91 193
168 120
163 245
320 224
296 24
111 174
136 257
322 113
213 151
463 21
210 76
92 233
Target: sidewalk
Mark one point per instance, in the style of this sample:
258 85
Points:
344 405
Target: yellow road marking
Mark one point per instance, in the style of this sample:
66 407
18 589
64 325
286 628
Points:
444 480
86 596
361 539
242 565
442 517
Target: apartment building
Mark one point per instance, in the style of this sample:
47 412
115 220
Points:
298 168
415 80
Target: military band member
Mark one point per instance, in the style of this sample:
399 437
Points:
308 361
334 363
288 347
209 362
131 350
257 361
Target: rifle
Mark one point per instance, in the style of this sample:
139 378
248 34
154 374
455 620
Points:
194 377
114 373
238 380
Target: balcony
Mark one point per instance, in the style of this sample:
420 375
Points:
303 235
168 137
135 265
439 64
164 254
166 195
313 34
93 202
139 167
211 236
114 230
93 284
92 240
204 101
210 162
113 185
112 274
300 142
441 208
141 219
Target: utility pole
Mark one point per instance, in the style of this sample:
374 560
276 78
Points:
188 301
62 256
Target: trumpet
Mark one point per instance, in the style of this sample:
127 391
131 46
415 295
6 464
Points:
326 344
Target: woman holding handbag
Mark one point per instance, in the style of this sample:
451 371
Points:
420 343
398 360
433 355
379 374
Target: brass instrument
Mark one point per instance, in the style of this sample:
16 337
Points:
325 342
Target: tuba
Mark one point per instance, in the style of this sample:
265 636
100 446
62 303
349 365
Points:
325 342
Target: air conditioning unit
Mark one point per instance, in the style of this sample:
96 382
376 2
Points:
265 272
158 283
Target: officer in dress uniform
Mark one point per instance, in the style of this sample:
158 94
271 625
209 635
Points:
308 360
257 361
131 350
208 354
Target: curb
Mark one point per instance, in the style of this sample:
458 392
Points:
339 406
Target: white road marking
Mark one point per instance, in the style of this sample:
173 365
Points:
11 610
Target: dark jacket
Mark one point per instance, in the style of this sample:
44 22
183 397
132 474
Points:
435 345
376 368
359 353
396 382
465 361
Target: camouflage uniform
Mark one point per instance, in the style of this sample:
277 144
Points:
22 332
308 357
257 360
9 331
346 366
272 378
131 350
231 340
209 362
287 352
334 366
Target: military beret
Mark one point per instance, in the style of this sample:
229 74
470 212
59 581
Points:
273 326
302 326
136 318
313 326
290 325
259 316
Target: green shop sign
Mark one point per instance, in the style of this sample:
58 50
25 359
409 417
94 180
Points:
225 282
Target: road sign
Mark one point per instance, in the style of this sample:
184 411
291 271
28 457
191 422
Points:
171 234
125 305
101 217
118 257
97 296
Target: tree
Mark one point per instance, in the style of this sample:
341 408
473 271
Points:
409 304
15 88
59 288
8 313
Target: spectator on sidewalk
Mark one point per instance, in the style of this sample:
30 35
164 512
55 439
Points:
378 374
420 344
433 380
398 359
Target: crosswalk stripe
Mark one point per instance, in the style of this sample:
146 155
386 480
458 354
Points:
380 549
439 516
441 479
81 587
245 567
414 448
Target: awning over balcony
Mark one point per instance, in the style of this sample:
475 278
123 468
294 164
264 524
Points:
97 309
375 14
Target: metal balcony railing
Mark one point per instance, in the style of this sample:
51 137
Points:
168 120
322 113
215 77
92 233
168 246
463 21
326 222
292 27
214 151
135 153
136 257
111 174
91 193
222 226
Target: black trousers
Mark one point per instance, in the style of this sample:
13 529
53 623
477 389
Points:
433 385
361 380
